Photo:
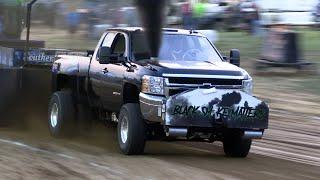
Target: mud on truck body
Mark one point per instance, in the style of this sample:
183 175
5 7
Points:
190 92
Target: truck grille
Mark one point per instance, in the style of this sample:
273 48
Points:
201 81
177 85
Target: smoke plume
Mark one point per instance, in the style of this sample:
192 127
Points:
152 16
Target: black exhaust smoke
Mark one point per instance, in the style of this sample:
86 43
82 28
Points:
152 16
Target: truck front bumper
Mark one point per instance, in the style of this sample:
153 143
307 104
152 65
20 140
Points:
207 108
152 107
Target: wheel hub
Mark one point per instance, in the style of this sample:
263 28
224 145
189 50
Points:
124 129
54 115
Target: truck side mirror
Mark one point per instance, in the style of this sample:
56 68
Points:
235 57
104 54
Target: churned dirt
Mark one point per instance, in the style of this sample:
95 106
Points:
290 149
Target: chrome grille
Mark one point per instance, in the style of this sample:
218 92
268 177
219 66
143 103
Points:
175 85
200 81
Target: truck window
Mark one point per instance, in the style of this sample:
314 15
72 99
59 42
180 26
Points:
119 46
108 40
140 49
180 47
176 47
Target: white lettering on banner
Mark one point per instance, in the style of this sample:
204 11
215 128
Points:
41 58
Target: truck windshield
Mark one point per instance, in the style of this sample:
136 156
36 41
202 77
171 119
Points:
176 47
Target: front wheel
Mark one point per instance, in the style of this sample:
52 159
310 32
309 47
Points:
131 130
61 114
234 145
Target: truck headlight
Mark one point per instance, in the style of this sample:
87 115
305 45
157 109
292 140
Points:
247 83
247 86
152 85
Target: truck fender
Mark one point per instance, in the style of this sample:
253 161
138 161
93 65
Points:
130 93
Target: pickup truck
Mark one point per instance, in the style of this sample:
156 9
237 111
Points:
189 92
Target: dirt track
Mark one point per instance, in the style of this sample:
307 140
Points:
286 152
290 149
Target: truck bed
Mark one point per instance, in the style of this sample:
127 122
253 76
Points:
79 64
32 82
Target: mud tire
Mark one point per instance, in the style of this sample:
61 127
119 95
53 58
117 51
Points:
65 123
134 142
235 146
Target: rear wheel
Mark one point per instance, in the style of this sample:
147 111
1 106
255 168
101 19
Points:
235 146
62 112
131 130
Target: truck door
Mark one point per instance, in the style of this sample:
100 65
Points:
114 75
97 70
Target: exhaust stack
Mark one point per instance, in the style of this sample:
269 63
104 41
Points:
152 15
252 134
177 132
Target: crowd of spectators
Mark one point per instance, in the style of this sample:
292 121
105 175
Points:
90 15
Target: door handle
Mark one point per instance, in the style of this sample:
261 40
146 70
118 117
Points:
105 70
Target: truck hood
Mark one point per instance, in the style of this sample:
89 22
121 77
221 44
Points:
199 67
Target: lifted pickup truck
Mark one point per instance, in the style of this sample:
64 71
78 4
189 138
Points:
189 92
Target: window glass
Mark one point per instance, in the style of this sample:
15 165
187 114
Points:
177 47
140 48
120 45
107 42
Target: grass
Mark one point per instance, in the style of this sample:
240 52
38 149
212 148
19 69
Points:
61 39
250 47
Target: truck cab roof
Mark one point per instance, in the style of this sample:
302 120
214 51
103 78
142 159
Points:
164 30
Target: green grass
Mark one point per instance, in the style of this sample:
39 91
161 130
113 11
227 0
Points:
71 43
250 47
311 40
61 39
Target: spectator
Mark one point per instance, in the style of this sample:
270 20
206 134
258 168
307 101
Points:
73 20
198 12
237 13
317 14
250 13
255 20
1 21
187 15
12 18
1 26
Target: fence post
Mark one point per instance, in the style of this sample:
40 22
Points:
29 8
